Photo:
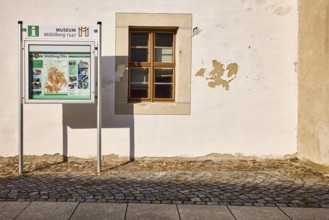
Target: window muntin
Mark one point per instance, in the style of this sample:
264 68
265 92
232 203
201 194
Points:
151 65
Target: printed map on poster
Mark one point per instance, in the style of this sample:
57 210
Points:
60 76
55 77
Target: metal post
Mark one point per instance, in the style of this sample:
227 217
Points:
99 99
20 99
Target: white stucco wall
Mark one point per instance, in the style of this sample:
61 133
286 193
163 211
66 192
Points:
256 116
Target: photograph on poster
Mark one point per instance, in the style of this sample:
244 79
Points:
37 71
36 78
72 63
83 68
83 82
73 85
73 78
36 92
36 85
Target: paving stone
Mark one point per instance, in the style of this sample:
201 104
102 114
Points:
192 212
196 199
255 213
212 203
307 213
100 211
9 210
48 210
151 212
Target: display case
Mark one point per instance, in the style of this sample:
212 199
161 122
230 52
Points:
59 72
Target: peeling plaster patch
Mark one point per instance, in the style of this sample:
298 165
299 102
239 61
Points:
282 10
196 31
250 2
106 82
220 76
216 75
232 69
259 77
253 5
260 2
201 72
296 66
120 72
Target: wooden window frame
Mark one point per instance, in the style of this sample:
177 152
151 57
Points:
152 65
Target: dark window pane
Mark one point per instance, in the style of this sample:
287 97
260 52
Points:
163 75
139 39
138 55
138 91
163 39
139 75
163 91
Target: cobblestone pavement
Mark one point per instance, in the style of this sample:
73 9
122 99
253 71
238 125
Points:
212 180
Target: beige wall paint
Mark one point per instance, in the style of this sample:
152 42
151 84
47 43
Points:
256 116
313 81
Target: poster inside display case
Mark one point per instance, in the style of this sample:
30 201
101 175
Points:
59 73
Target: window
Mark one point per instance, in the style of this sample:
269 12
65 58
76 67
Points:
151 65
153 60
